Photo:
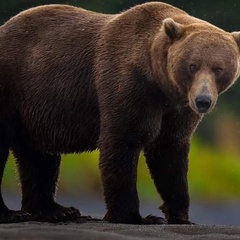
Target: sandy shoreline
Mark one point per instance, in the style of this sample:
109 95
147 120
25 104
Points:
102 230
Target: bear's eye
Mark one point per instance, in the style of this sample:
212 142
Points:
193 68
218 71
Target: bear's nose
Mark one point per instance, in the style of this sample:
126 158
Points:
203 103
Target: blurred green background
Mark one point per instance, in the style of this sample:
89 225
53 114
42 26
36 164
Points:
214 171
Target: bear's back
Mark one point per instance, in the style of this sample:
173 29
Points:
50 22
55 13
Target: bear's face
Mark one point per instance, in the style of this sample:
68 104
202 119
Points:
202 62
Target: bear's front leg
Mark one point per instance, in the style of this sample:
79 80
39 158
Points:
168 167
125 121
118 164
167 159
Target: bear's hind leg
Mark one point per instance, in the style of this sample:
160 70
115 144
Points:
39 175
7 215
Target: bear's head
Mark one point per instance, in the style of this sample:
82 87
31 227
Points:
202 61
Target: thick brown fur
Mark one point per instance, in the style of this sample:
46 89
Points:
72 80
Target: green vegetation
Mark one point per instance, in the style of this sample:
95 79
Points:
213 174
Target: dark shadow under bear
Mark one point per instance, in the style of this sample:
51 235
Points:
72 80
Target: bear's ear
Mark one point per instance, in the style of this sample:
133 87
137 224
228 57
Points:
236 36
173 29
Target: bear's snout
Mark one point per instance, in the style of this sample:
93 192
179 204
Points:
203 103
203 93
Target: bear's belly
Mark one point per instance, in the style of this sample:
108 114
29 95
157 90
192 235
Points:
60 124
78 132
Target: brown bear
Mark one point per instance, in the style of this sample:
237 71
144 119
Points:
73 80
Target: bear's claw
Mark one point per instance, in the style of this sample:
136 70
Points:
57 214
150 219
10 216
